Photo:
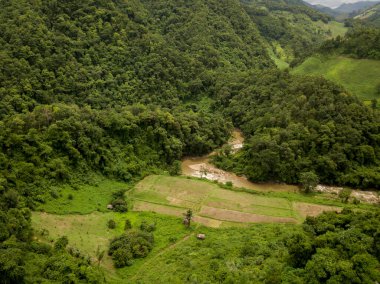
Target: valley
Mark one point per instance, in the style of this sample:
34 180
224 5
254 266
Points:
206 141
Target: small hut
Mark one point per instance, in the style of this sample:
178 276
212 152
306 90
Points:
110 207
201 237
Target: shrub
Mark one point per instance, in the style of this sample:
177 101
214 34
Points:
229 184
111 224
61 243
345 194
128 224
147 227
119 205
130 245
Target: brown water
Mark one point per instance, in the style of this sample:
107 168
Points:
200 167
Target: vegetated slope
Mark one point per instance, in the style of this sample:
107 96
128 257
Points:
358 76
73 78
353 61
359 42
69 74
370 16
291 28
340 248
114 53
349 8
296 125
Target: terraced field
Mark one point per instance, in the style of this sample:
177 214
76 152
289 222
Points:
214 206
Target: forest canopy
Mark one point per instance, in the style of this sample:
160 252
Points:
124 89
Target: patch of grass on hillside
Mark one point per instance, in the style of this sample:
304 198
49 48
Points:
82 199
224 253
336 28
87 232
281 64
359 76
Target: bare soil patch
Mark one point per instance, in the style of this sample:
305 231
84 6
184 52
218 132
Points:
307 209
162 209
207 221
236 216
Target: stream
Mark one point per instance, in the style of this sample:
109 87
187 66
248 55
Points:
202 168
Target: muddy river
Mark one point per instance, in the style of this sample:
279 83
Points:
202 168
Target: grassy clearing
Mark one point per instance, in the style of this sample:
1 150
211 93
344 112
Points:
87 232
359 76
336 28
280 63
85 198
219 256
173 195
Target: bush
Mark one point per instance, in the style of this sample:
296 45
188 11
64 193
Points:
147 227
130 245
70 197
356 201
229 184
119 205
61 243
345 194
40 248
127 225
111 224
54 193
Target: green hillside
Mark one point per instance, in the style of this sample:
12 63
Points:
359 76
291 28
370 17
100 101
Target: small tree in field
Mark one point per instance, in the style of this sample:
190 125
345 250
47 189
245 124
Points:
345 194
188 217
99 255
309 181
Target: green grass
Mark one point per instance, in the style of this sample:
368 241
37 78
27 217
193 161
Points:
86 198
219 256
87 232
336 28
177 256
280 63
359 76
200 195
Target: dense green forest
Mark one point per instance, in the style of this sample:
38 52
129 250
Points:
124 89
360 42
291 29
298 124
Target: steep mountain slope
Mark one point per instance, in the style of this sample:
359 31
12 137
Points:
290 27
348 8
370 16
336 3
111 54
98 89
353 61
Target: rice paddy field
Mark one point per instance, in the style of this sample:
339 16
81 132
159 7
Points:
230 217
215 206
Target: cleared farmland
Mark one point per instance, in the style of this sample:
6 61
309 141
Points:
214 206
